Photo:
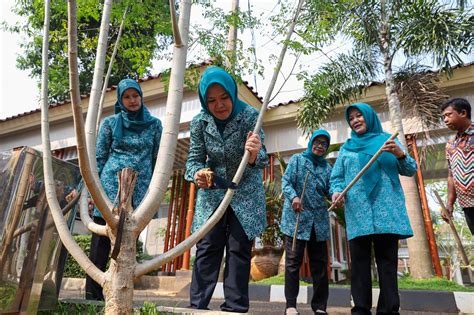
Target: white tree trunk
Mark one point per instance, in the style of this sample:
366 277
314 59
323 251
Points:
50 186
169 137
87 164
151 265
420 259
232 38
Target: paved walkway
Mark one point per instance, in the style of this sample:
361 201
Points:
178 305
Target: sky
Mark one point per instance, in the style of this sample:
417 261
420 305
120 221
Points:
19 93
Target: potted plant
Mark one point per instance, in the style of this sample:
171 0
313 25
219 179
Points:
265 260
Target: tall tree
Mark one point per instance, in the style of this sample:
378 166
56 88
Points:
147 32
379 31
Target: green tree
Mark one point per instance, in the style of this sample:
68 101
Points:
379 31
226 52
147 32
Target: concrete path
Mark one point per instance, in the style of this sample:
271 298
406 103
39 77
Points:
175 305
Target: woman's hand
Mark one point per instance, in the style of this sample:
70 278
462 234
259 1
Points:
334 197
392 147
201 179
90 205
296 204
253 145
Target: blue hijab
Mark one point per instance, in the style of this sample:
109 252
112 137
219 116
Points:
367 144
130 122
316 159
216 75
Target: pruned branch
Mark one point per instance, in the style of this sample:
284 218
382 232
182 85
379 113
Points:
176 34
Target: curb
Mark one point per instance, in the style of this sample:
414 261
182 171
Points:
410 300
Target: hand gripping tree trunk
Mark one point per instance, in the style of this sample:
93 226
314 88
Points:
420 259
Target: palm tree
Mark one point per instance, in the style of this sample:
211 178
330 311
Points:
379 31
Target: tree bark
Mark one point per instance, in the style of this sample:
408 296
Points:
118 289
420 259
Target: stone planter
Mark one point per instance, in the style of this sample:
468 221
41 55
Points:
264 263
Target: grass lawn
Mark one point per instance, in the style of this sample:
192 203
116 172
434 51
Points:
408 283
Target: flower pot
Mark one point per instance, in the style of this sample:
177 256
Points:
264 263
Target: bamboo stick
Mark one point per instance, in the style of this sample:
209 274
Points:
293 245
464 258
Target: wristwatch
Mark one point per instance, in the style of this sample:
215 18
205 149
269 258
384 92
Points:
404 156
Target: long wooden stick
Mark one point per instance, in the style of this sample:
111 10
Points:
464 258
293 245
362 171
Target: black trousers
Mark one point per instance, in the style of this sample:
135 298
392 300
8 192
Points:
229 234
469 214
386 257
318 262
99 255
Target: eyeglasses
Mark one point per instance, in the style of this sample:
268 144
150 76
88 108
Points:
324 144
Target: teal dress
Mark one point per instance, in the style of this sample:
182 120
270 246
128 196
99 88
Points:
135 150
314 214
223 153
385 212
376 203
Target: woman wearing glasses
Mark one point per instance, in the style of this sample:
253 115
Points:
311 213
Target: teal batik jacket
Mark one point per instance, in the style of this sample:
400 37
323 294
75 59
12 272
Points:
223 154
386 213
314 214
134 150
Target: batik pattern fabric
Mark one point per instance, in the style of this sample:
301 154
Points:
314 203
385 212
460 156
223 153
136 150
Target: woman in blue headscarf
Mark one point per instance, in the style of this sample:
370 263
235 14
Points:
220 134
313 227
130 138
375 210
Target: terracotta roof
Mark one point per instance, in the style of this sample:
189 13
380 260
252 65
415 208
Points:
114 87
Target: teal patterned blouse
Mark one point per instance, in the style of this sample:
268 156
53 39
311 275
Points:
387 213
223 154
133 150
314 214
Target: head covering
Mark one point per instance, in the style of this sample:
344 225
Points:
316 159
216 75
126 121
367 144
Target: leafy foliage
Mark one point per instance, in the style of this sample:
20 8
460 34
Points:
147 31
72 268
238 62
417 29
274 199
349 75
